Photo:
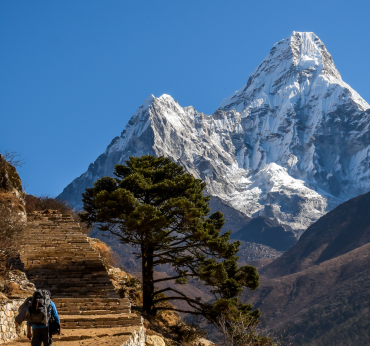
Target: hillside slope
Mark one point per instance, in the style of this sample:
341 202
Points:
319 290
342 230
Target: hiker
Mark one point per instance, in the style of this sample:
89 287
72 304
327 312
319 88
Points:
41 332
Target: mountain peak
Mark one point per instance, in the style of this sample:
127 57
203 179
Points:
289 145
305 35
295 66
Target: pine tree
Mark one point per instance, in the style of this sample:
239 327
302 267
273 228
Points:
160 210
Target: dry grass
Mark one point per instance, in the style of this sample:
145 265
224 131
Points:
108 257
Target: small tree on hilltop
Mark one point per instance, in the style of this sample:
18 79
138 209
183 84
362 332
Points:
159 209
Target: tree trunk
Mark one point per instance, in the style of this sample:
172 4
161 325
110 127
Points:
148 285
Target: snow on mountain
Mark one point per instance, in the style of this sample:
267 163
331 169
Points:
291 144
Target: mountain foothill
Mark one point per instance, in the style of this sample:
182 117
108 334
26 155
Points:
286 159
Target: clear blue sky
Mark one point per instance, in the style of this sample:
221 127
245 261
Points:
73 72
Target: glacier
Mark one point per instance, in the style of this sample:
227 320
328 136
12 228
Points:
290 145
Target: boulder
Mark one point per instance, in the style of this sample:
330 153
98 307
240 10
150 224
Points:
154 340
204 342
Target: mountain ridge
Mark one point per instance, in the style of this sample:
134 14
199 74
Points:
290 145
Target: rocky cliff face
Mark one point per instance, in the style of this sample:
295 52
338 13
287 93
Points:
11 192
290 145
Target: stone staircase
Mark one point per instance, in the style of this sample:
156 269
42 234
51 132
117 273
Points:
58 257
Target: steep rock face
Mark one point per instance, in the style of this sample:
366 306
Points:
290 145
297 112
262 230
11 192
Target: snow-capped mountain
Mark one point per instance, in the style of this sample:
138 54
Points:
291 144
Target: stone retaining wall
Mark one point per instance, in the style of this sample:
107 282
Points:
8 329
137 339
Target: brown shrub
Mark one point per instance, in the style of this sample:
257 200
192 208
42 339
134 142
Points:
9 200
104 250
12 228
244 332
39 203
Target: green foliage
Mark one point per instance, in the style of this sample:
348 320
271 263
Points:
158 208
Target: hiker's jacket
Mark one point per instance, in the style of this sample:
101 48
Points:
52 313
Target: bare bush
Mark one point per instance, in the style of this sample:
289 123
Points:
39 203
13 158
12 227
242 332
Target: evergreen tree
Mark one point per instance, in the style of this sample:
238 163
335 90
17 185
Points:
160 210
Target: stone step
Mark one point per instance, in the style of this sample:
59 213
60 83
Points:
76 266
59 257
67 271
43 242
59 248
62 253
71 264
66 247
91 295
54 228
90 300
52 221
100 321
79 289
92 306
53 231
70 312
71 279
62 240
50 226
85 304
60 287
70 275
64 258
109 294
73 282
62 272
54 273
57 237
97 336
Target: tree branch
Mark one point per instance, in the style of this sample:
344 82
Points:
178 310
